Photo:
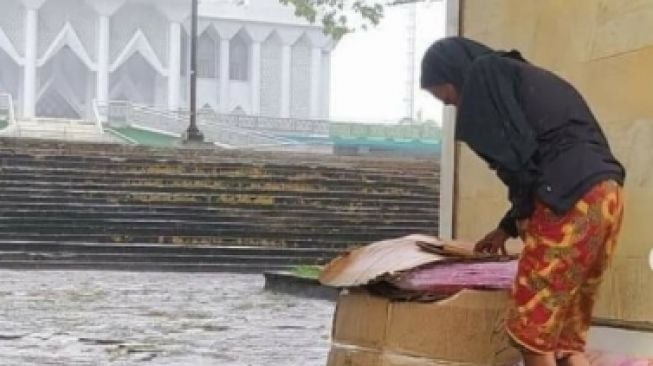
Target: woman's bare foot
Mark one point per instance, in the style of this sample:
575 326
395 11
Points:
538 359
574 359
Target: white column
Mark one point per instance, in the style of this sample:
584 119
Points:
102 91
256 77
29 74
90 95
224 75
447 174
316 76
326 85
174 65
286 59
448 147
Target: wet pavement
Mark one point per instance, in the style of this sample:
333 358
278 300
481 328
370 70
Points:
121 318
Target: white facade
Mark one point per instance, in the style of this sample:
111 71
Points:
58 56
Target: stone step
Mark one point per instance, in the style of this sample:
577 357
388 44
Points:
139 266
156 249
212 181
219 162
254 169
216 226
368 234
236 199
94 149
318 242
274 206
7 216
283 189
265 259
154 166
39 209
210 154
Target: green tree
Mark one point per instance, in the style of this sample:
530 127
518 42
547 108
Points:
339 17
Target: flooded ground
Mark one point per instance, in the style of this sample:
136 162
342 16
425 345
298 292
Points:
120 318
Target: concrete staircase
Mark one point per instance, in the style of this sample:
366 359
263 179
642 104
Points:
80 205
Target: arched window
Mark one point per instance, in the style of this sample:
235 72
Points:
238 59
207 57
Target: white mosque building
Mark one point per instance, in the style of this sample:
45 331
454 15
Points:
60 58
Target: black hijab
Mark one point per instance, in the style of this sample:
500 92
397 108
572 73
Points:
448 60
490 119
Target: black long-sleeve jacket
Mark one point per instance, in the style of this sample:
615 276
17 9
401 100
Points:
537 132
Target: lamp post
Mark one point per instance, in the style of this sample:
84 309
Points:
193 134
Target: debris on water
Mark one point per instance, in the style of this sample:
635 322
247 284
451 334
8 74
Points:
139 348
215 328
10 337
100 342
290 327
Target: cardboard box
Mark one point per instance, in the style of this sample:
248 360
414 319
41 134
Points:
465 329
353 356
341 355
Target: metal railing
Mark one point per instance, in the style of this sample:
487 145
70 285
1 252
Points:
7 109
228 131
271 124
124 113
235 137
254 132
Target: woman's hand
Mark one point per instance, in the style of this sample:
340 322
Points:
493 243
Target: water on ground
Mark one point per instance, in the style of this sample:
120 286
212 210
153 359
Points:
120 318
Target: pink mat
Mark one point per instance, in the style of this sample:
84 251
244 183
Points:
602 359
453 277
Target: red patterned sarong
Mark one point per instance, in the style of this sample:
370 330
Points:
560 270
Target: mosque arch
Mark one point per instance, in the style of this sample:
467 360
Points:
65 85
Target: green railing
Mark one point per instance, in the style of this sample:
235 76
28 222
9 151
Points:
425 133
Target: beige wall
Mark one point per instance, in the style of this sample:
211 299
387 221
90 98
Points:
605 48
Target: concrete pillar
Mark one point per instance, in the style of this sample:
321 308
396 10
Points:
29 78
316 78
256 77
286 63
224 75
177 12
288 38
448 149
102 91
174 65
257 35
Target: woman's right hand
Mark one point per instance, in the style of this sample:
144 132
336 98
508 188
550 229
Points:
493 243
